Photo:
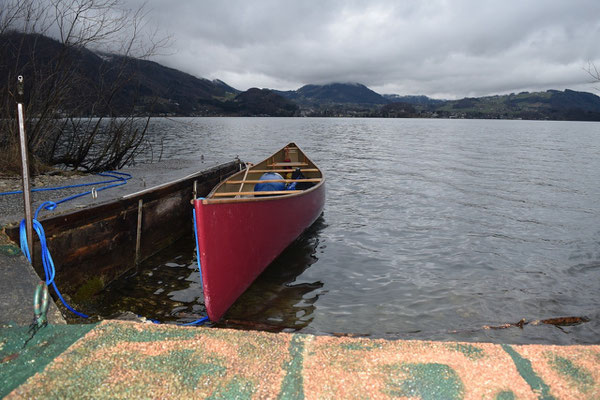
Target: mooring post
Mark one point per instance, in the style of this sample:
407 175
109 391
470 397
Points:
25 165
138 238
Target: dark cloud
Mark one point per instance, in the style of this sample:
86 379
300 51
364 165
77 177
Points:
439 48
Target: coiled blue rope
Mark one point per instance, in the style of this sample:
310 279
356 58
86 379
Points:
119 178
47 261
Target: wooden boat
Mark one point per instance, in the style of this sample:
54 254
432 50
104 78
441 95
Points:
93 246
242 228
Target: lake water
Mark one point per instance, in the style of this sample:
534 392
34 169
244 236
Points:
432 229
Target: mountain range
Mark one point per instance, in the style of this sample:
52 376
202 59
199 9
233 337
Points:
153 89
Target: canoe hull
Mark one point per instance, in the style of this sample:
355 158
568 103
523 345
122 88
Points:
238 240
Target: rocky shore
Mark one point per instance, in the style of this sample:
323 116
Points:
55 178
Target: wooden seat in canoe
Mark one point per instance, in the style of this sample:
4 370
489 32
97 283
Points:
240 231
288 164
260 193
312 180
262 171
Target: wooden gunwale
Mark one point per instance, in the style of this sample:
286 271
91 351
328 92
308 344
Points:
219 194
259 227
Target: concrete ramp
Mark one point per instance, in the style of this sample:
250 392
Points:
118 359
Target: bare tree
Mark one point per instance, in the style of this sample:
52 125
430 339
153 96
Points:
593 71
81 90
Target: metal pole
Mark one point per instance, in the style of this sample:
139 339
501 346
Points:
25 166
138 238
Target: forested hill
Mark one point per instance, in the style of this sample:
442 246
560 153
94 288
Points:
125 85
352 99
334 93
551 105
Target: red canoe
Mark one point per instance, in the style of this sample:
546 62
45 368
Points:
246 222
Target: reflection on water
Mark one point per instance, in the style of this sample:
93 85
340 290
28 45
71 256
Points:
432 229
274 302
167 288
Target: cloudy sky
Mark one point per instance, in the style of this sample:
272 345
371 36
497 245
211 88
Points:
440 48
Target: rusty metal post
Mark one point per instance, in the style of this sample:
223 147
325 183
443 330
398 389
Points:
25 166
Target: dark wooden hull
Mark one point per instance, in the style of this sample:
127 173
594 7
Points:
239 238
93 246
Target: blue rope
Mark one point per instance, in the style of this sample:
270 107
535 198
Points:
203 319
47 261
119 178
197 322
197 244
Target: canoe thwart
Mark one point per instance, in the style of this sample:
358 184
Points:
262 171
235 182
263 193
288 164
257 224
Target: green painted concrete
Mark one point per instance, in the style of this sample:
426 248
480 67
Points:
18 363
505 395
429 381
291 388
525 369
129 360
578 376
470 351
237 389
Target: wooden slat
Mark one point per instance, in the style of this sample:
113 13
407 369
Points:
288 164
244 178
275 180
265 193
262 171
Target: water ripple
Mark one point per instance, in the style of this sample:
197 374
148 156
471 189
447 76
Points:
432 228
